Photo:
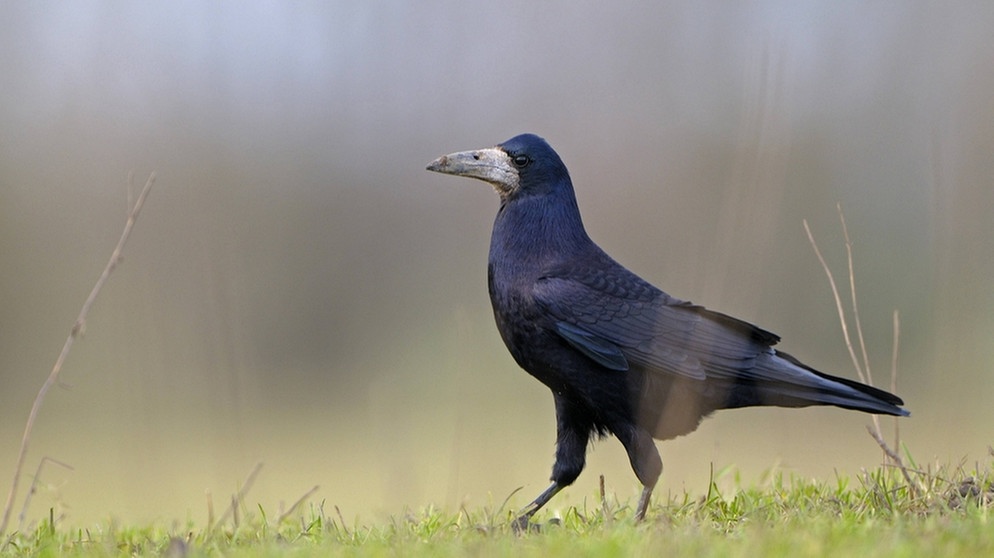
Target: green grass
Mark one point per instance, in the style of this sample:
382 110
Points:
945 513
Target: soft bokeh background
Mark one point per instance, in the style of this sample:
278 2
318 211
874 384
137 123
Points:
300 292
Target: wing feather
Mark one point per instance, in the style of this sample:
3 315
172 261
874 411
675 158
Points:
613 313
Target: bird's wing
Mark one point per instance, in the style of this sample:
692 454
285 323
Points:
615 318
604 352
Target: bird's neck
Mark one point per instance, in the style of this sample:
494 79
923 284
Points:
538 232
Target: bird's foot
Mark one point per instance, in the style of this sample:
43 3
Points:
523 525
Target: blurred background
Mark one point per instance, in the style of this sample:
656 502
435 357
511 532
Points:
300 292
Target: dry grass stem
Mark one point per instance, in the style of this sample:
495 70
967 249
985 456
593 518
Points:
893 372
341 518
238 498
838 303
855 307
53 377
296 504
852 292
895 458
210 508
862 369
604 507
34 487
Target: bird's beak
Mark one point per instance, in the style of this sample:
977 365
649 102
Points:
491 165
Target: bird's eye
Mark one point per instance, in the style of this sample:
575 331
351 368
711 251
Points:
521 160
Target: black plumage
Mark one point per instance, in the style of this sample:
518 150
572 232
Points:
620 356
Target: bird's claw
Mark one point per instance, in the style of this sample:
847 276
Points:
523 524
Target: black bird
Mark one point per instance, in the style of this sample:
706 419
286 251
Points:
620 356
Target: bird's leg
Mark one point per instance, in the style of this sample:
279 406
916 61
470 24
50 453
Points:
572 434
643 503
644 457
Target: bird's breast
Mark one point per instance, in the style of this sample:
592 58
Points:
523 327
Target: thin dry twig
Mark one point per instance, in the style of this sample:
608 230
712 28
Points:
210 508
74 332
341 518
237 499
895 458
840 309
34 487
852 292
855 308
875 432
604 508
296 504
893 372
838 302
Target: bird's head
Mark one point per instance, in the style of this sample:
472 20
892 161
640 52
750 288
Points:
522 166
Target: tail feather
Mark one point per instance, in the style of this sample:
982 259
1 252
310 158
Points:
842 392
671 406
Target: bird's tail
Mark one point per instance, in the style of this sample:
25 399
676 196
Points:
802 385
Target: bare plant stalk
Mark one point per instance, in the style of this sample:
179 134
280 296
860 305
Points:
838 303
34 487
852 291
210 509
893 373
895 458
875 431
855 307
237 499
604 508
296 504
53 377
341 518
